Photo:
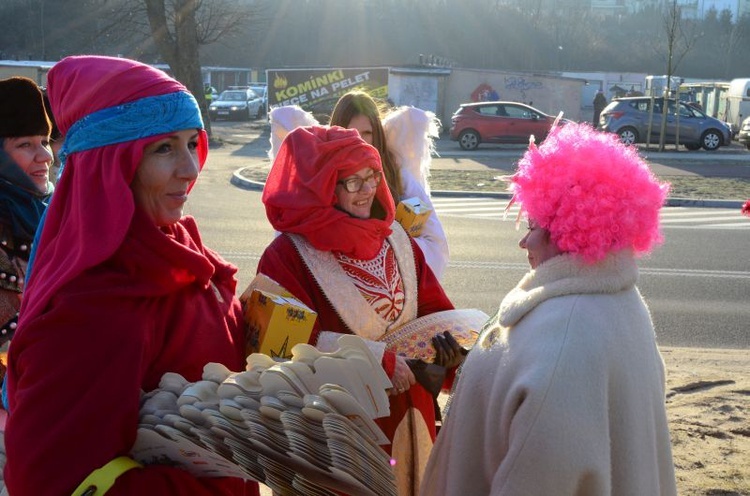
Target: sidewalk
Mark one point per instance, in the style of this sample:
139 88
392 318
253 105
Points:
708 406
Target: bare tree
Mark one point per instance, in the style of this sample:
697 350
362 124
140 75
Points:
176 29
731 39
679 42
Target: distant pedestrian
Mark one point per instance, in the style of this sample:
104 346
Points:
600 101
208 92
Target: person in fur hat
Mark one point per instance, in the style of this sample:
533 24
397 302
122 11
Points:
564 391
25 158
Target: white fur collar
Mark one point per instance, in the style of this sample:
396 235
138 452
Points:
566 274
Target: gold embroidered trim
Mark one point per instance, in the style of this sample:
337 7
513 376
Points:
344 296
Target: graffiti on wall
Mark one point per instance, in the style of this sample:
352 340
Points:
520 85
516 87
484 93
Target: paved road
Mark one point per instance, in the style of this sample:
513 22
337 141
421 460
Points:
672 217
732 161
697 284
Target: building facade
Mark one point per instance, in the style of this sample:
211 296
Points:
691 9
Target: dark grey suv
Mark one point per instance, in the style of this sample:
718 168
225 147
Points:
629 118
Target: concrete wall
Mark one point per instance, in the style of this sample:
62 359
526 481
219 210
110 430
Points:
34 70
604 81
548 93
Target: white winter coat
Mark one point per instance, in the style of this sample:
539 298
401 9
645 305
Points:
563 394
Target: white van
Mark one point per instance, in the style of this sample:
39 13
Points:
738 103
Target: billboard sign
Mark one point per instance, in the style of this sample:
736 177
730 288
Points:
317 90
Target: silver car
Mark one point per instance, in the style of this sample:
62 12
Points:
629 118
260 89
238 102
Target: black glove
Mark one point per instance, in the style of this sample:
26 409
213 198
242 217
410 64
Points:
449 353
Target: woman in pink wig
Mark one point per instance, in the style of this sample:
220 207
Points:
121 290
564 392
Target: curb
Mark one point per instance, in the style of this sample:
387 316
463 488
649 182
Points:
644 154
244 183
688 202
241 182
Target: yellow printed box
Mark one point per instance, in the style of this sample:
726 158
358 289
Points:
277 323
412 215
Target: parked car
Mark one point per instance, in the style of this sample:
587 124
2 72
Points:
498 122
743 137
629 118
261 89
237 102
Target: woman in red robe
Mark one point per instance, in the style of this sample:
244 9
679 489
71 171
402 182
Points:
121 289
342 254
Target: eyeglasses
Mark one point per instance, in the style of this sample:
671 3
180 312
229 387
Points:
354 184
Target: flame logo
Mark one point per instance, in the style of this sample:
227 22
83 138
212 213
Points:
280 82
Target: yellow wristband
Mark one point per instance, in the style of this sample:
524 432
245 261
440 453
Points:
100 480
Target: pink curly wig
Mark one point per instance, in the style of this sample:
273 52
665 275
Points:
594 194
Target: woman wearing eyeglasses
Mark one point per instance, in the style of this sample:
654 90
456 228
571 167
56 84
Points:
403 136
342 254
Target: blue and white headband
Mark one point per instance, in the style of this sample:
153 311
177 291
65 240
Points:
130 121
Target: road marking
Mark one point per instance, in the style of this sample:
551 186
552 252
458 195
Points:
482 265
721 274
671 217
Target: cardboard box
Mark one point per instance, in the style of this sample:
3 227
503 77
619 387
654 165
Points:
264 283
276 323
412 215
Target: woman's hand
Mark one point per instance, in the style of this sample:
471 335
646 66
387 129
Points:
449 353
403 378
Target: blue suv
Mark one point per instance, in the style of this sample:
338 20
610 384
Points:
629 118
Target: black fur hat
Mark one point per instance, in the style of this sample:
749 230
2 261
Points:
22 109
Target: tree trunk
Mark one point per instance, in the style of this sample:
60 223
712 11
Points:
180 49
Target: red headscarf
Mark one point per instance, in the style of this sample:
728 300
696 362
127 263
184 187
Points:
93 205
300 192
